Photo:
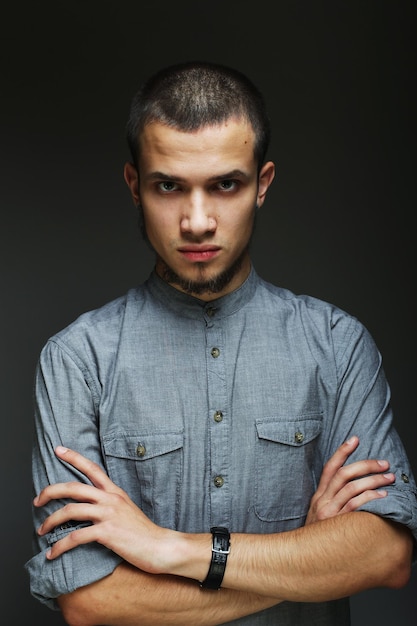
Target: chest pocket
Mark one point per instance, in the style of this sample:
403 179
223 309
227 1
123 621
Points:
284 466
149 468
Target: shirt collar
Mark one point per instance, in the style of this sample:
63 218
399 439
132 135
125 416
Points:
188 306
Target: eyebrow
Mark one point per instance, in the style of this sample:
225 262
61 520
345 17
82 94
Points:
226 176
233 174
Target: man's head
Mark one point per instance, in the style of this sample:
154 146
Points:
188 96
198 134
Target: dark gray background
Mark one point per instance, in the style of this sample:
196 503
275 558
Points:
339 80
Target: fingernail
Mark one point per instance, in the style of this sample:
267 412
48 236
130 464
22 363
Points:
351 440
382 492
383 463
61 449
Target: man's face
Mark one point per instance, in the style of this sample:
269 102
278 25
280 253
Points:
198 193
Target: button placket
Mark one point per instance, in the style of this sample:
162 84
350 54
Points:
218 424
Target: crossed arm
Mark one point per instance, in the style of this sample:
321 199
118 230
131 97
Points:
338 552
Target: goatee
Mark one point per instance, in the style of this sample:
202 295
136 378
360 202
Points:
213 285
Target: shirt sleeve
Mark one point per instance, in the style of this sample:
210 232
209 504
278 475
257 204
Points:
66 399
363 408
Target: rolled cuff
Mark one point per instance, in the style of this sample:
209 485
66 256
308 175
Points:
78 567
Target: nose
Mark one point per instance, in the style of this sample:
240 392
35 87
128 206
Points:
198 217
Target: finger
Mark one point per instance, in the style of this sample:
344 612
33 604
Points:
362 485
339 458
346 482
355 491
354 471
336 478
70 512
363 498
72 490
77 537
336 461
89 468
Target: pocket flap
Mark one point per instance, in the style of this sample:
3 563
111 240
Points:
292 432
140 447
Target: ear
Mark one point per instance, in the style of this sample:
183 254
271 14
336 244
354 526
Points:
266 176
131 177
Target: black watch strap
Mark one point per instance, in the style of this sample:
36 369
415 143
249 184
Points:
219 551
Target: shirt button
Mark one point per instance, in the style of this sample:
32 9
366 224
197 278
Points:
298 437
211 311
405 478
219 481
141 450
218 416
215 352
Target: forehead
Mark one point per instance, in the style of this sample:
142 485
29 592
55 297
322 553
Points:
227 145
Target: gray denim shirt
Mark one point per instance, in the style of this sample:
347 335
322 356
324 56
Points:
219 413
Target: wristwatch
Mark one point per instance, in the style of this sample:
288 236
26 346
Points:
219 551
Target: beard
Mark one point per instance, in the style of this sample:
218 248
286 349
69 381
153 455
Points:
214 284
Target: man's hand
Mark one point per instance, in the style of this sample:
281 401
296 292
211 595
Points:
344 488
117 522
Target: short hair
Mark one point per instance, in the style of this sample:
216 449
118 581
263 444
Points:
194 94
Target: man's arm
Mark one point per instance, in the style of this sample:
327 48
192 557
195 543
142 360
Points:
326 560
118 598
129 597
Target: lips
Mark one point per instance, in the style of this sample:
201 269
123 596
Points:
199 252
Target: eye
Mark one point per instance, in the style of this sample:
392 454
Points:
227 185
166 186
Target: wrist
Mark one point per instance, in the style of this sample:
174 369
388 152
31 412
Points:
188 554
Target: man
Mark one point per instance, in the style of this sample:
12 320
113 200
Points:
193 436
